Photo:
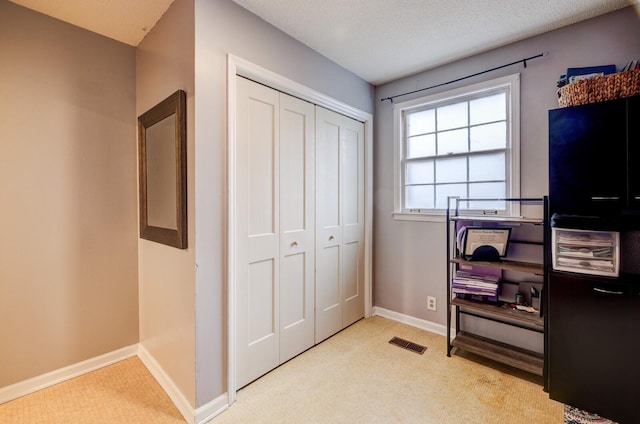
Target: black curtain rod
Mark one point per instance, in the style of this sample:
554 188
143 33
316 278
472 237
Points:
523 61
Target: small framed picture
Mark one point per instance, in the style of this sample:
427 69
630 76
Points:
491 242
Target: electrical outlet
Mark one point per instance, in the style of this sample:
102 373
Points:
431 303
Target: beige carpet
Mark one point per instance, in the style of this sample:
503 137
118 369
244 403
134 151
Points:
122 393
358 377
354 377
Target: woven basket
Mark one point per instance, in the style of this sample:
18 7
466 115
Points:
598 89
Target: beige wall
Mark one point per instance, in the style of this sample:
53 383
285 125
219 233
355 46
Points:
68 217
164 64
69 251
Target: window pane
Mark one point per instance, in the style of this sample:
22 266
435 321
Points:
421 122
419 197
488 109
452 116
451 170
487 191
455 141
424 145
445 190
487 167
490 136
458 145
420 172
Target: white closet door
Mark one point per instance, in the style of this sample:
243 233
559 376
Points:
339 222
275 204
352 160
257 231
297 210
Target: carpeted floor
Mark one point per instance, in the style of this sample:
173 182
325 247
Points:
122 393
353 377
358 377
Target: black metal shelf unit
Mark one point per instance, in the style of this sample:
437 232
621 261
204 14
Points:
514 356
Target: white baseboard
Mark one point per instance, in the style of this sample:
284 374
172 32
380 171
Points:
174 393
413 321
40 382
207 412
201 415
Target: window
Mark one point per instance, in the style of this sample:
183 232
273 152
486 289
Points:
464 143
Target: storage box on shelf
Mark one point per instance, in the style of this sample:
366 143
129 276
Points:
598 89
586 251
499 308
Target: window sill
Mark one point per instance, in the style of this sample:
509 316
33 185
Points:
422 217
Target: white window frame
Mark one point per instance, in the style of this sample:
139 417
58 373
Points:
512 85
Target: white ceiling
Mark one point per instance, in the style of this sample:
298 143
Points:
379 40
382 40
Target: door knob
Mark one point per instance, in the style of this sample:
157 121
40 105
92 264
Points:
331 237
294 243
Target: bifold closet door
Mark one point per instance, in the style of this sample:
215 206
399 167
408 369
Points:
297 214
339 222
274 229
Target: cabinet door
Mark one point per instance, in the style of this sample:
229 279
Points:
588 350
587 165
633 161
633 349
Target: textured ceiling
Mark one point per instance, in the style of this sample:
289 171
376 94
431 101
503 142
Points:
379 40
127 21
382 40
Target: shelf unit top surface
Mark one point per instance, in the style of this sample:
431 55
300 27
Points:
499 219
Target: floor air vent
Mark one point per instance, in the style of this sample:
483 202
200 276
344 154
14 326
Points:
405 344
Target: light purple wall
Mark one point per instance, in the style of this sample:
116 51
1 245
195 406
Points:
223 27
409 257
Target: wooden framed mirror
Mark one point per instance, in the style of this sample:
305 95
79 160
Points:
162 164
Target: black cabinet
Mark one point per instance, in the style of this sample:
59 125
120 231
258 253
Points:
633 365
593 157
593 322
592 364
633 159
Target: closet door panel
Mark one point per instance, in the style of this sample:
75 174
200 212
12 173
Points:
328 293
260 302
297 214
350 272
328 224
257 269
353 220
340 222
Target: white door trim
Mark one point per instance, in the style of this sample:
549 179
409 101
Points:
239 66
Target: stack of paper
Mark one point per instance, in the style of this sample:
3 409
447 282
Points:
476 284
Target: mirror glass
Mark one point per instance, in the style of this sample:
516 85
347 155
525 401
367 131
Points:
163 172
